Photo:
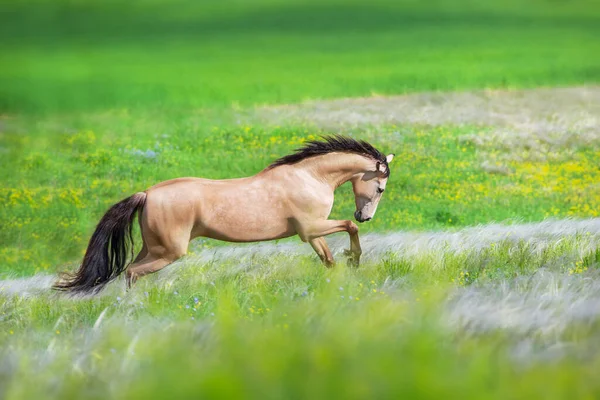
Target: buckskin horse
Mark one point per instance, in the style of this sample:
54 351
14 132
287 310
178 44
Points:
292 196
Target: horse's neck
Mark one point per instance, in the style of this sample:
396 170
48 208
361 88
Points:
336 168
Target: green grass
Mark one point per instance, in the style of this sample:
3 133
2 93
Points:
282 328
62 175
74 56
100 99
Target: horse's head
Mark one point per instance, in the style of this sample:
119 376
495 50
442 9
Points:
368 188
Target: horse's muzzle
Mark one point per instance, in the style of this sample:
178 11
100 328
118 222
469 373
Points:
359 218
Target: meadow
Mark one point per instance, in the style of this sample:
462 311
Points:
100 99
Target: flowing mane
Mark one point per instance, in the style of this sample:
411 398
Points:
331 144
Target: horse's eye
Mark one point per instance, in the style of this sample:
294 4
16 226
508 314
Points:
380 190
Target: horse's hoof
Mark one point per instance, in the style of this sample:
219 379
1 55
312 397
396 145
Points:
353 259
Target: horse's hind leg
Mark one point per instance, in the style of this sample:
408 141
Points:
164 243
145 266
157 253
157 257
143 253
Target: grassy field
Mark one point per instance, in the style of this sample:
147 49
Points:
100 99
60 55
278 326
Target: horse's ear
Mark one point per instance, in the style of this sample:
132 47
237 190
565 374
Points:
389 158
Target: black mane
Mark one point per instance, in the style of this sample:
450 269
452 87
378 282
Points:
331 144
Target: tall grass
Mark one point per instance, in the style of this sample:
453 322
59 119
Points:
287 327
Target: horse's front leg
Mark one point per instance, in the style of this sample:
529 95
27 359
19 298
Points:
320 247
355 251
317 229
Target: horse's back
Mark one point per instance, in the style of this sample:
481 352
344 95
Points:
176 182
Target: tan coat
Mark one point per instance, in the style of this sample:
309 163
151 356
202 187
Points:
280 201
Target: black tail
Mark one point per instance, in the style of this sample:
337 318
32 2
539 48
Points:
106 255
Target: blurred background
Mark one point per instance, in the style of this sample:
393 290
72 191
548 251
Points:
59 55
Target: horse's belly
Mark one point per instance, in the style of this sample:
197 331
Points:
242 212
245 230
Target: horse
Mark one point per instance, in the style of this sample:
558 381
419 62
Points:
292 196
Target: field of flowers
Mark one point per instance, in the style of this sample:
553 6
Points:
67 175
481 271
